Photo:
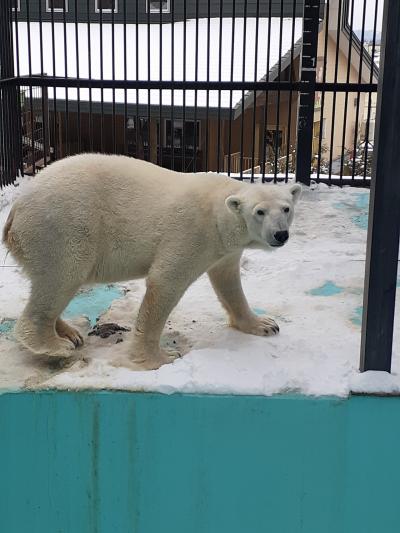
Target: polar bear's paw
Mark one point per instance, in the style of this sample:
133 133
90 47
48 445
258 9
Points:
146 362
66 331
42 343
262 326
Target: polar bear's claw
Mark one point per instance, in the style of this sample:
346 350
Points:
65 331
262 326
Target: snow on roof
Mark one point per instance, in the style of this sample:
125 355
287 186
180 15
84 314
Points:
182 55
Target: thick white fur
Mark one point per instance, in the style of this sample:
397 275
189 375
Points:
94 218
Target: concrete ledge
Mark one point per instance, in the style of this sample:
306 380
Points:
98 462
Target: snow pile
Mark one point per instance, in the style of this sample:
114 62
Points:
312 287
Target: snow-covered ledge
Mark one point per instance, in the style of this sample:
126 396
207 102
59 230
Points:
312 287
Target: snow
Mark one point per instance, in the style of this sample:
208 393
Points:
312 287
102 58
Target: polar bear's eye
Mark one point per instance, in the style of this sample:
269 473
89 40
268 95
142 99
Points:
260 212
286 209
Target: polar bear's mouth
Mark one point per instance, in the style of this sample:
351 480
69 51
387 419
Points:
277 245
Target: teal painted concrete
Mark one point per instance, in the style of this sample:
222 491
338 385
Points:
93 302
327 289
258 311
6 327
146 463
360 206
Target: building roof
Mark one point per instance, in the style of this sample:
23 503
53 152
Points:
210 67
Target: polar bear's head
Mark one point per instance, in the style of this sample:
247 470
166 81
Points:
268 212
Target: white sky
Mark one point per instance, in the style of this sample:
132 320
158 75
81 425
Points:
369 16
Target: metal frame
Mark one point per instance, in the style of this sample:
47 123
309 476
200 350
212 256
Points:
57 9
384 212
105 10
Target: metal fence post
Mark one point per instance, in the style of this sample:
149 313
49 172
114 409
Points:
9 122
384 210
305 120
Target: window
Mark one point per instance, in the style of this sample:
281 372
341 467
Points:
178 134
106 6
16 5
57 5
156 6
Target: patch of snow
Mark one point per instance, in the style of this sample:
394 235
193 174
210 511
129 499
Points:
312 287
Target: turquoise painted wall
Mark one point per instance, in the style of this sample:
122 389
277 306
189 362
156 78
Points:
145 463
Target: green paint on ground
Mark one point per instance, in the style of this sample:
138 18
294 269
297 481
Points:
361 204
327 289
6 327
356 319
92 303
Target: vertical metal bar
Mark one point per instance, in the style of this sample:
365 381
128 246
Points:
265 123
42 73
67 133
196 77
160 127
324 71
289 129
137 120
371 78
335 77
125 78
358 92
255 92
90 76
101 78
307 98
384 219
113 134
172 79
56 149
243 79
346 98
278 103
78 91
231 92
184 91
208 79
9 141
148 78
221 2
19 127
28 23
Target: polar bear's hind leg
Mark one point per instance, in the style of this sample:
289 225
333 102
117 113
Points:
39 328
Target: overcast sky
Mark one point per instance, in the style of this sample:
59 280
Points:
369 16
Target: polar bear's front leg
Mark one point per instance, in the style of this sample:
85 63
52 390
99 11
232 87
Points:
225 278
160 298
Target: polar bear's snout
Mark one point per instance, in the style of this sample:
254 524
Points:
280 237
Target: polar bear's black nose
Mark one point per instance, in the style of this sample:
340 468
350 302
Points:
281 236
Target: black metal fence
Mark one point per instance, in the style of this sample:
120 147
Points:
260 89
254 88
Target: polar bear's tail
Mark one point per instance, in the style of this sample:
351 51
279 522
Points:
7 235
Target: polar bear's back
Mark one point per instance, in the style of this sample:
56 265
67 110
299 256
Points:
110 176
103 203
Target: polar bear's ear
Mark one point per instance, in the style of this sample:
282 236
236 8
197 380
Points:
296 191
233 203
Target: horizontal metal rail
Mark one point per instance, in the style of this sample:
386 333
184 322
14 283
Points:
52 81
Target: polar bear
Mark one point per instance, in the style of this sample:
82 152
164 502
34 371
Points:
95 218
